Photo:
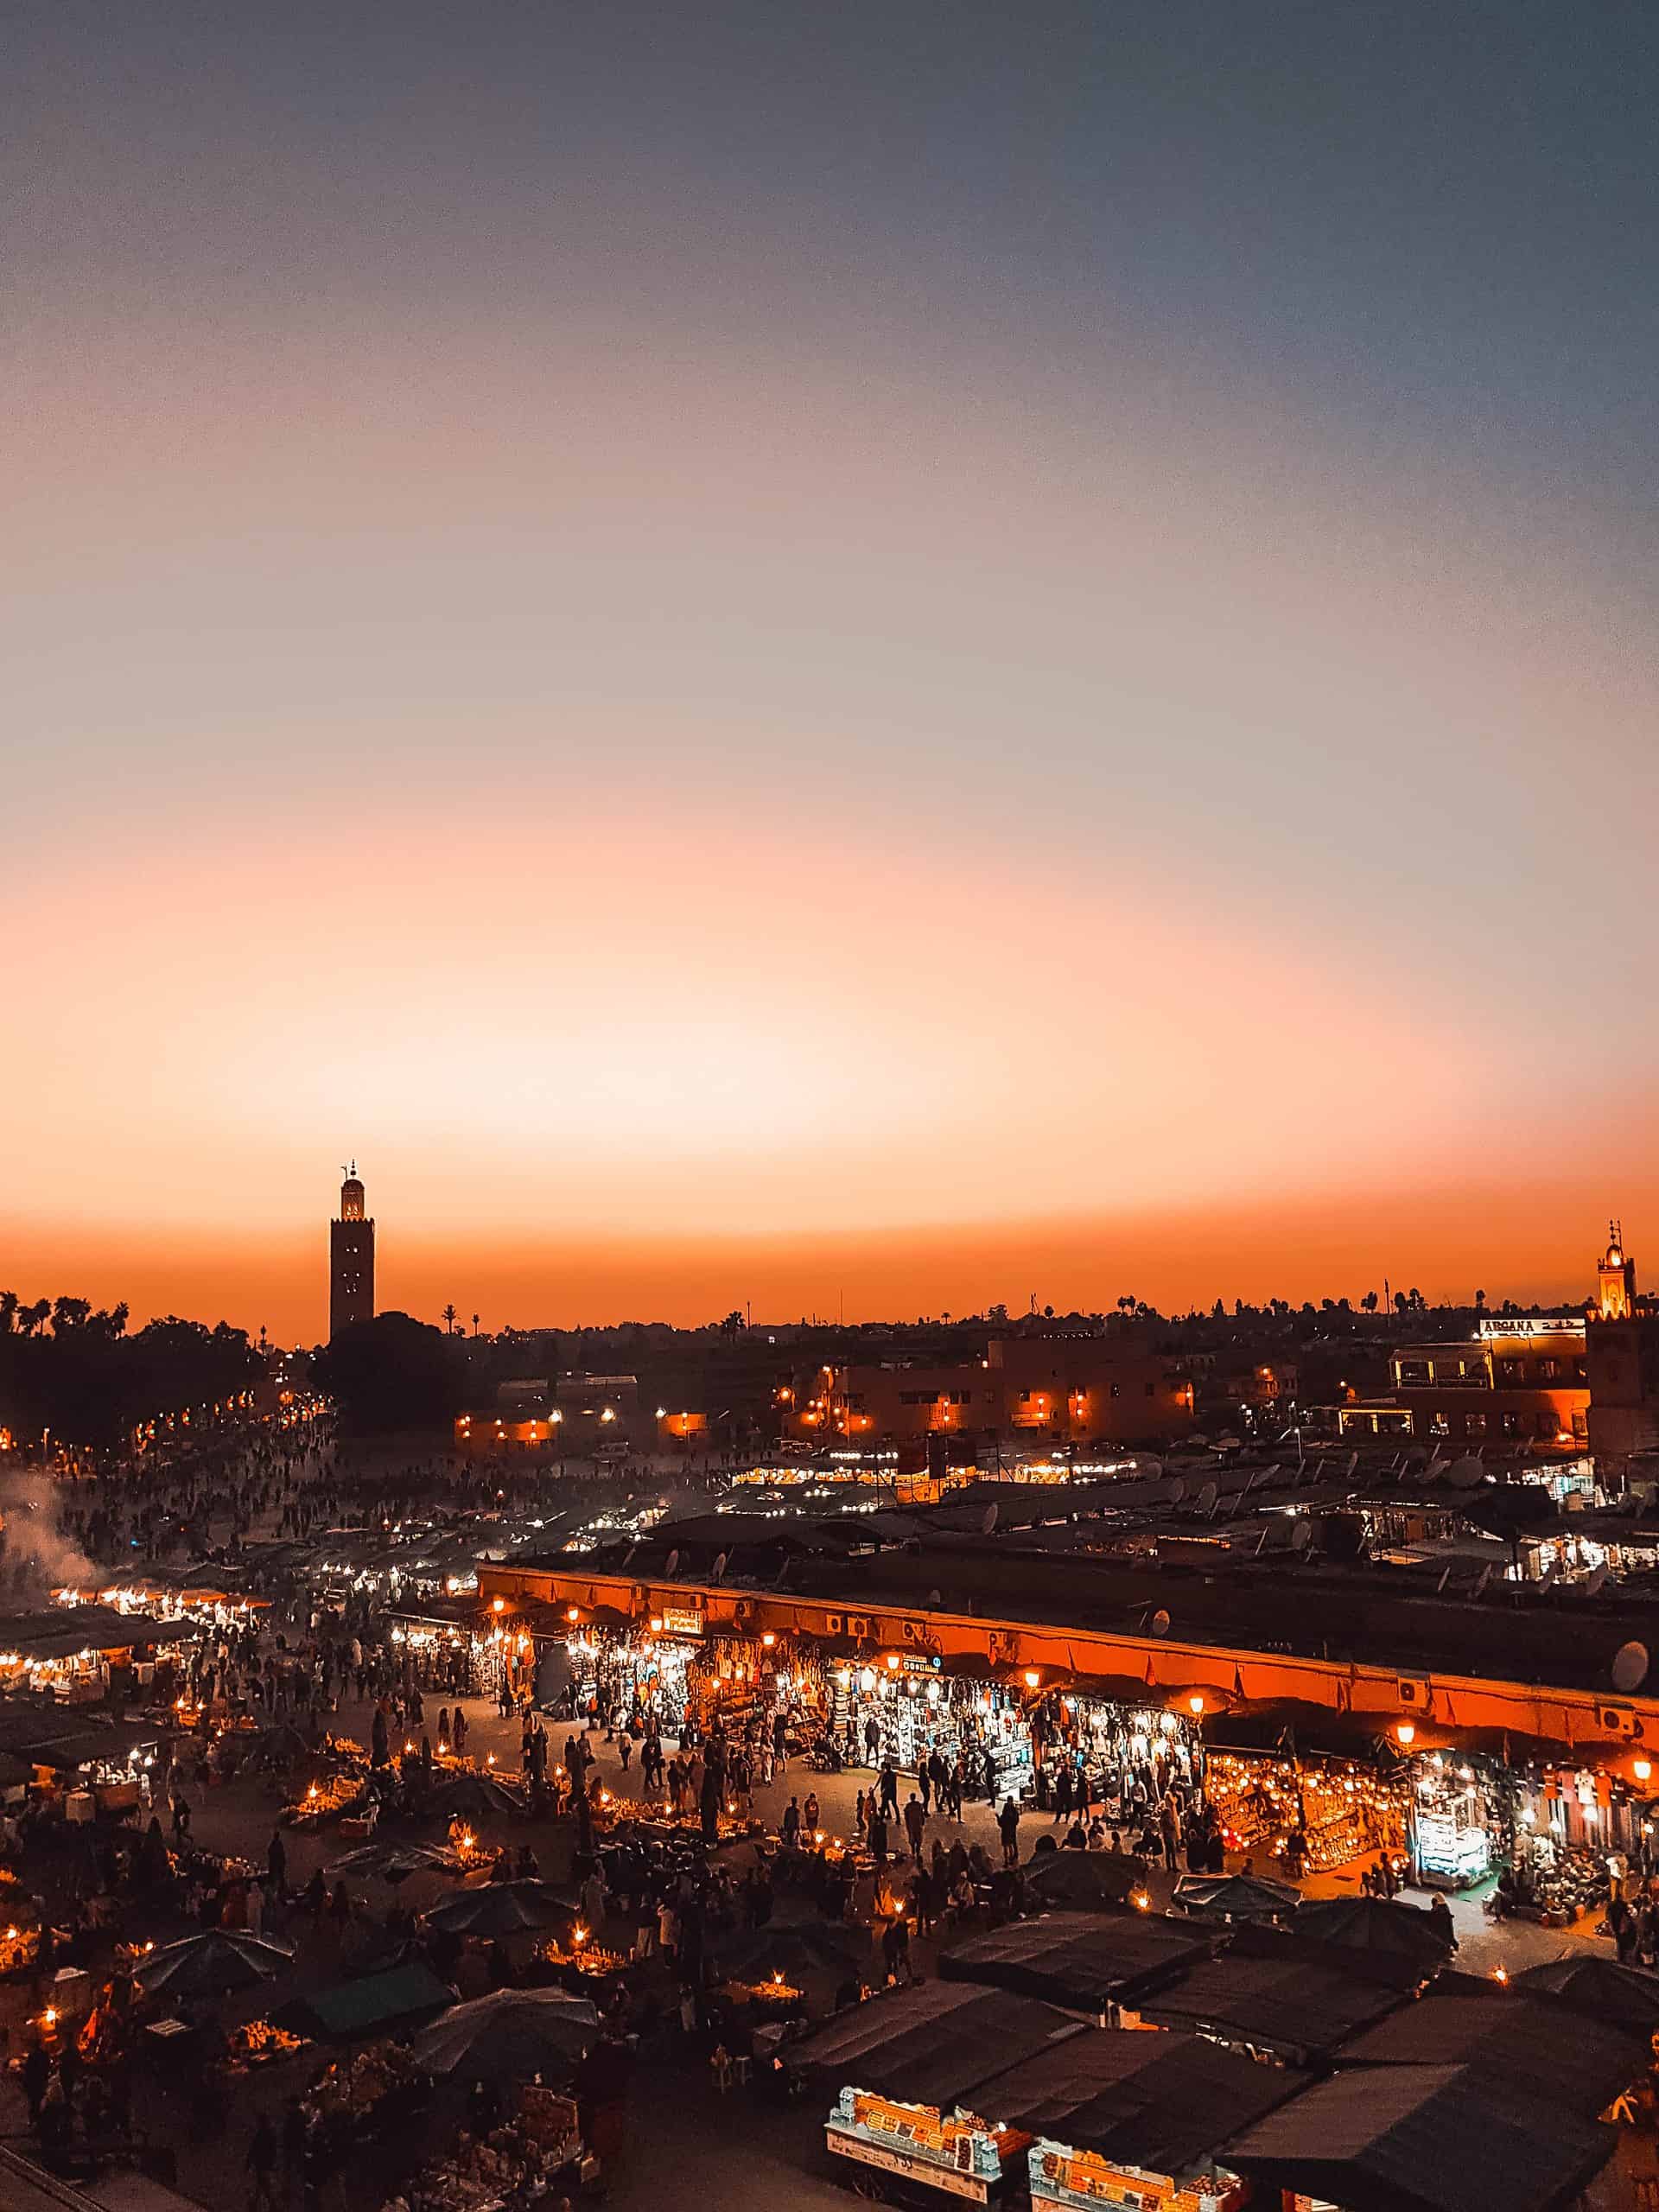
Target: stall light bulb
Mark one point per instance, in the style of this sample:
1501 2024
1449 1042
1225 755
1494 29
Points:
1642 1769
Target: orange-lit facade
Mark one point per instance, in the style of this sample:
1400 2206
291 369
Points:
1271 1383
1514 1381
681 1431
1044 1389
1611 1734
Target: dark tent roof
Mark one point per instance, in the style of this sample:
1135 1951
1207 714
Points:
1158 2101
1533 2046
47 1735
1082 1960
1284 2002
60 1631
1423 2139
1623 1996
1083 1881
368 2004
931 2045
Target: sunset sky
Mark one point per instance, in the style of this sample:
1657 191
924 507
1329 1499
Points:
898 655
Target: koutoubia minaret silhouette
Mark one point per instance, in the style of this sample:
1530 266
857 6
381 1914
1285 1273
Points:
351 1259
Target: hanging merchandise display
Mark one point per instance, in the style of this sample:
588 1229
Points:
1311 1813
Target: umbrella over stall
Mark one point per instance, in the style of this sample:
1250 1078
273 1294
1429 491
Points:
500 1909
396 1862
211 1964
811 1947
1378 1925
1236 1897
516 2032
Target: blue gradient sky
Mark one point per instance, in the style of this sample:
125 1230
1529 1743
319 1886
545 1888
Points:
993 633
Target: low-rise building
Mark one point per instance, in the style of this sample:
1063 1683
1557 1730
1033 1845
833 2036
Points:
1045 1389
1516 1380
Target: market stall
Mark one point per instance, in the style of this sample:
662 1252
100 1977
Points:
534 2151
73 1653
1308 1813
924 2149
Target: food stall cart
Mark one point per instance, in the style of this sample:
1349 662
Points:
925 2152
1063 2180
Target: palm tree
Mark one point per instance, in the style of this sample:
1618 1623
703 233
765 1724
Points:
474 1325
8 1310
447 1317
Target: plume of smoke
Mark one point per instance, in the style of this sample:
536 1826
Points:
39 1553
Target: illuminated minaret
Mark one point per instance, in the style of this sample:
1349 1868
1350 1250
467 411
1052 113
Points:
1616 1278
351 1259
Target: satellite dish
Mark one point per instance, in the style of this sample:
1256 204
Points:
1175 1489
1301 1535
718 1569
672 1565
988 1525
934 1600
1629 1667
1596 1583
1160 1623
1207 1497
1466 1473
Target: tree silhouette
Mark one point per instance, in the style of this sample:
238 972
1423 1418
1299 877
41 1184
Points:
448 1316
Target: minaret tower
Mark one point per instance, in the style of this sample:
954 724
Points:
351 1259
1616 1278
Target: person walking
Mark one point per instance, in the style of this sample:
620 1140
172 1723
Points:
1007 1822
915 1825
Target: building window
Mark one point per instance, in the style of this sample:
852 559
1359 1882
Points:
1439 1423
1474 1423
